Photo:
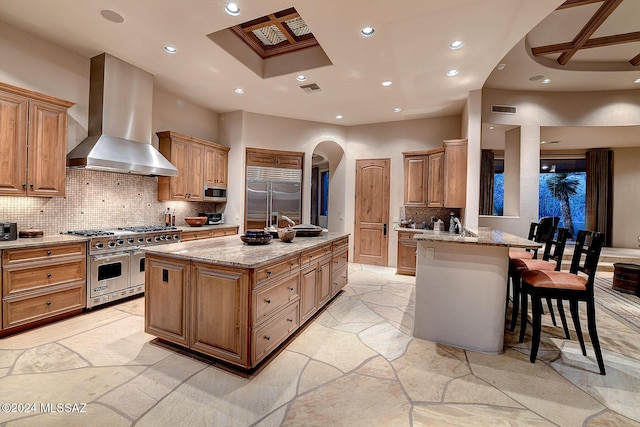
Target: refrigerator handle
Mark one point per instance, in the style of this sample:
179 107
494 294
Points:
268 208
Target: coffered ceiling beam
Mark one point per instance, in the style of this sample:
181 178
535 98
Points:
591 43
587 31
573 3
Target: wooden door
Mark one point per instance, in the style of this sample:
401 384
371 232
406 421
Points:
308 295
13 144
371 243
47 149
324 282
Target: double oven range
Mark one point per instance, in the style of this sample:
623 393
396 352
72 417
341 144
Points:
115 261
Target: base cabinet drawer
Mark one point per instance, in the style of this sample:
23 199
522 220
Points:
24 309
338 280
276 270
273 332
269 299
43 253
29 277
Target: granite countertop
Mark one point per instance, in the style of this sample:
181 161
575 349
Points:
230 251
483 236
47 239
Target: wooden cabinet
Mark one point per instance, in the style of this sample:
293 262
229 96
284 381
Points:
220 312
167 299
339 262
415 180
455 173
216 162
275 158
407 248
437 178
33 143
198 161
435 188
208 233
316 281
42 283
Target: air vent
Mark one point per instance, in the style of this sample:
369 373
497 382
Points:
311 88
503 109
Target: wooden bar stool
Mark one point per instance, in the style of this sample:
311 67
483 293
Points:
551 260
571 286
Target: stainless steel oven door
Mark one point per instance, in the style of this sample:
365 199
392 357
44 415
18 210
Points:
137 267
109 273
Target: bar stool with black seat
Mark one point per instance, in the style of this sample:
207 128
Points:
571 286
551 260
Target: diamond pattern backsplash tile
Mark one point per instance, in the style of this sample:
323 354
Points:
97 200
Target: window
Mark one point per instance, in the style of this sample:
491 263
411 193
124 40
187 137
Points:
498 187
324 193
563 191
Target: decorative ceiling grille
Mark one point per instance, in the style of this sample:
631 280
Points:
276 34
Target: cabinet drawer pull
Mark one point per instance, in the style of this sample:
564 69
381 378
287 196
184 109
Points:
268 301
269 273
48 253
319 271
290 320
291 263
267 337
291 289
48 274
48 302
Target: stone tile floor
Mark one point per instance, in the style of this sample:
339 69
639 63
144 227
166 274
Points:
357 364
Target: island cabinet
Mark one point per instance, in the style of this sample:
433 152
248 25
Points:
42 283
407 247
198 162
33 143
239 314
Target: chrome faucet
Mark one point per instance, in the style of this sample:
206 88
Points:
455 226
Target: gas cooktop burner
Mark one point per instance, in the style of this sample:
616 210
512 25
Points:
147 228
90 233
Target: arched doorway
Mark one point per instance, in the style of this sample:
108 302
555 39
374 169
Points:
328 179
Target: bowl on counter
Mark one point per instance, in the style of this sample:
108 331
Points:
195 221
286 234
255 239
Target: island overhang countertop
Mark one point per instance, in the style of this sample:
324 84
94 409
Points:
483 236
230 251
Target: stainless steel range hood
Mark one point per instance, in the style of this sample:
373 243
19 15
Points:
120 107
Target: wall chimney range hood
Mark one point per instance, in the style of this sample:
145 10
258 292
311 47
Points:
120 114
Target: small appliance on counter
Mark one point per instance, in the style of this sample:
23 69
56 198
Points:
214 218
9 231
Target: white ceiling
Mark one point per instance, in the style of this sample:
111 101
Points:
410 48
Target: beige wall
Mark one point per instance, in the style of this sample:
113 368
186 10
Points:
540 109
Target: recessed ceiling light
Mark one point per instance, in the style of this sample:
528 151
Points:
239 90
456 44
170 49
545 81
452 73
301 78
397 110
387 83
112 16
367 31
492 127
338 116
500 67
232 9
637 81
536 77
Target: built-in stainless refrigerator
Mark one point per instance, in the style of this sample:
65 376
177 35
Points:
272 193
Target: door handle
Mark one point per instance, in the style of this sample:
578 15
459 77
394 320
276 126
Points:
385 229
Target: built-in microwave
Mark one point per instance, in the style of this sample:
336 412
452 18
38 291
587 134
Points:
215 194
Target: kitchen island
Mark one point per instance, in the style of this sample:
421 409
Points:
237 302
461 285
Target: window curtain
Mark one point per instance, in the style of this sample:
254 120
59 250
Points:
599 215
487 170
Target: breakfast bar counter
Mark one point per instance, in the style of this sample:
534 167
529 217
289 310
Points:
461 287
236 302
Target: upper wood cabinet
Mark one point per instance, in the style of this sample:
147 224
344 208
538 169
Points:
33 142
275 158
455 173
199 163
437 178
435 188
415 179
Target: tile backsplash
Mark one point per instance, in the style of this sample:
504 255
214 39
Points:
96 199
419 214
